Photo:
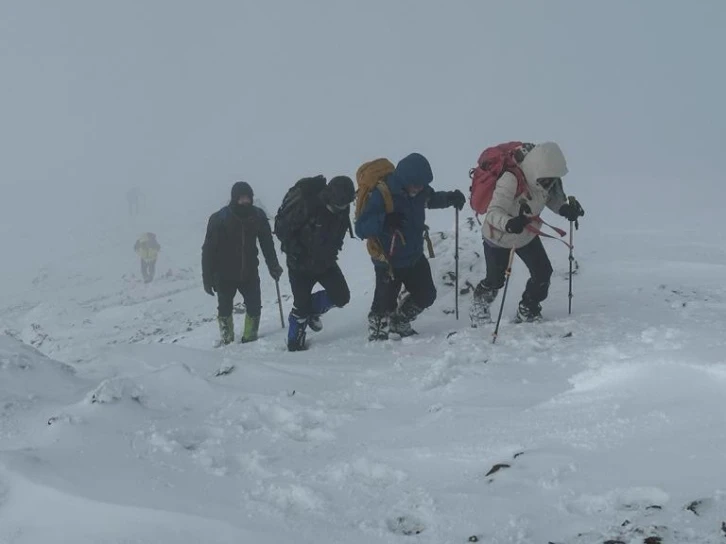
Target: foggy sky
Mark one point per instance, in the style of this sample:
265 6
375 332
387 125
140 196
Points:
182 98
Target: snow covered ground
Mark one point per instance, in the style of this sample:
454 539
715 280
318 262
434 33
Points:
607 425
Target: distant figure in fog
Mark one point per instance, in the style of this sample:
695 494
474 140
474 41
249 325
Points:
147 248
133 197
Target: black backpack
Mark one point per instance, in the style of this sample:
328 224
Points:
296 196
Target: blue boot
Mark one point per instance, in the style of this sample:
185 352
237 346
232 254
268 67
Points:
296 332
321 304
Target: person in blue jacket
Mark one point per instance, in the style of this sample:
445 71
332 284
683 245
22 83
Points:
401 233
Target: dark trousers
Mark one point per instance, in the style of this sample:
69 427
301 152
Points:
148 269
250 291
302 283
417 280
534 257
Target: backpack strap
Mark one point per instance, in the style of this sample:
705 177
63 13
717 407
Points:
385 191
516 171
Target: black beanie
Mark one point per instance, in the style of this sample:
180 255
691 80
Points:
342 190
241 188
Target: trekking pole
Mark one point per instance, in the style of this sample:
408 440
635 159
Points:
523 210
569 303
279 304
456 261
572 259
507 274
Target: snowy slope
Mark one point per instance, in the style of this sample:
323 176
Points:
609 424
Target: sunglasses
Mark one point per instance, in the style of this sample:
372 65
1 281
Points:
547 182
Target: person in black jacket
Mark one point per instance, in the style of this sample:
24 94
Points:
312 223
230 263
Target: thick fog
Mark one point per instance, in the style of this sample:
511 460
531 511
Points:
182 98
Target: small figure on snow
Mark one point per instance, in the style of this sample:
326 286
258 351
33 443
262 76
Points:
133 198
391 215
528 180
147 248
230 262
311 225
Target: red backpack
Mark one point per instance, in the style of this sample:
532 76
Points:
493 162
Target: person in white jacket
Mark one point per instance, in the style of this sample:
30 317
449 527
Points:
512 222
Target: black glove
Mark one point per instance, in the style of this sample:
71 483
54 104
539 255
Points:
516 224
394 221
275 271
571 210
456 199
208 288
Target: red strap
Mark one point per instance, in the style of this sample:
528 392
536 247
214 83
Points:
557 230
538 219
535 230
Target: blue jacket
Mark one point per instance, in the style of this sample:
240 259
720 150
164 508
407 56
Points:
414 170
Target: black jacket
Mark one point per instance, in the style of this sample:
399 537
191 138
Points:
229 253
317 235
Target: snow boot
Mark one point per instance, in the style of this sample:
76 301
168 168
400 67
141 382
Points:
321 303
252 325
226 330
479 313
407 311
528 313
377 327
296 332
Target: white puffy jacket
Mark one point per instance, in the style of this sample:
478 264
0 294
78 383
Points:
545 160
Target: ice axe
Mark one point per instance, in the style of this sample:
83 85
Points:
279 304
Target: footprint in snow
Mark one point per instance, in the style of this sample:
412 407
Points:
405 525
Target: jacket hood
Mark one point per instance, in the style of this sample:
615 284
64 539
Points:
413 169
545 160
241 188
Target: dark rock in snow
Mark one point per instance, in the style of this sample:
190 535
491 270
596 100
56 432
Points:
497 468
697 506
